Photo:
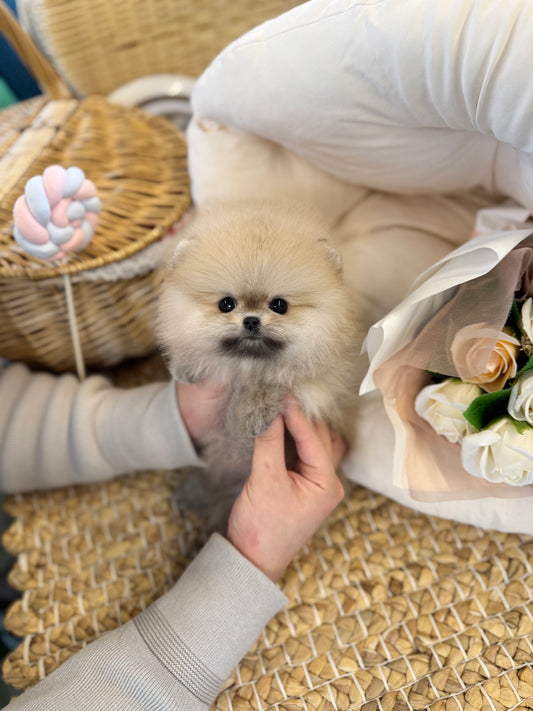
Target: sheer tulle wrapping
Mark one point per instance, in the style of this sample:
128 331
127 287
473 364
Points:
474 284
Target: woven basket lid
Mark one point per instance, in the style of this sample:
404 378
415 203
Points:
98 45
137 162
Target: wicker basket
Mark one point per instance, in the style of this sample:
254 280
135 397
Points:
138 164
98 45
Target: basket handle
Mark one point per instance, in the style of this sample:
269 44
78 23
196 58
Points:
31 55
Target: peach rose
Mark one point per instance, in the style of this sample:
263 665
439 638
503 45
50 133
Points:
484 356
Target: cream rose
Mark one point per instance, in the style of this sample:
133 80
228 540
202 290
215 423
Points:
485 356
520 405
443 404
526 318
500 454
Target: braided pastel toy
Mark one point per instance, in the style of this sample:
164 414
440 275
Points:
58 213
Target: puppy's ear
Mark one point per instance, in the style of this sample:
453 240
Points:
332 253
179 250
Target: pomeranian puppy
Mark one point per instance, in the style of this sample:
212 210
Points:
254 296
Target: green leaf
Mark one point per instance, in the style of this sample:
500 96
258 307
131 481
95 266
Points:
525 368
487 407
519 425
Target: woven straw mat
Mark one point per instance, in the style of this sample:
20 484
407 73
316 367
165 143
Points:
389 608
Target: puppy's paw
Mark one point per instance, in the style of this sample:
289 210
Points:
256 413
193 494
251 409
257 421
220 511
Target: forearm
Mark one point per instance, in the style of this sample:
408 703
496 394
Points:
177 654
56 431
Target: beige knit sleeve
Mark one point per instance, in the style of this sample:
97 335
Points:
174 656
56 431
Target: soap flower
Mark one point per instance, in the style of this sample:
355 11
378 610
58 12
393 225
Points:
520 405
500 453
442 406
485 356
526 319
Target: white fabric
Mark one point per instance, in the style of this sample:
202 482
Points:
401 95
398 120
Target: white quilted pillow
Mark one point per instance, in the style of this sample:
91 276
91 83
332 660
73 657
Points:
338 99
400 95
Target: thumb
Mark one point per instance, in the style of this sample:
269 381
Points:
338 447
269 447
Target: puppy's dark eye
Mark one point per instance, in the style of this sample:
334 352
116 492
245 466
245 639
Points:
227 304
280 306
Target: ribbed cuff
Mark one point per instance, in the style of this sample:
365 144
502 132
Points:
211 618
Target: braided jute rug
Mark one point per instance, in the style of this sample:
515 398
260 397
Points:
389 609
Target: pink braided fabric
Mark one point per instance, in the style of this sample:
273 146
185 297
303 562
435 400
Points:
57 214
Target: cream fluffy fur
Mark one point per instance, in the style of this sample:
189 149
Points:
254 261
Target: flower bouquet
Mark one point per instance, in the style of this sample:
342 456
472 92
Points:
454 363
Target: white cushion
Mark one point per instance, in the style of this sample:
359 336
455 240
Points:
336 100
401 95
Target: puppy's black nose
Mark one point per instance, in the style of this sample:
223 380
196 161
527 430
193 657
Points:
251 323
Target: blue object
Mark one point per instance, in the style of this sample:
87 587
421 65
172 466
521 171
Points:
14 73
7 97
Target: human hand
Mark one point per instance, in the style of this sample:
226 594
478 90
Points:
200 405
278 510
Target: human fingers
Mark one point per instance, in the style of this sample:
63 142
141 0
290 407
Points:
334 443
338 448
313 444
324 434
200 404
269 448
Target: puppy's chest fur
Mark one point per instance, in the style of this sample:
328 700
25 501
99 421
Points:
251 405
